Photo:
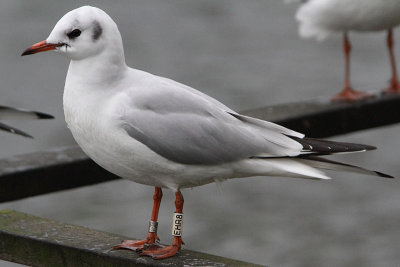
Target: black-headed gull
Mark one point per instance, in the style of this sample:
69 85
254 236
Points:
319 18
9 113
158 132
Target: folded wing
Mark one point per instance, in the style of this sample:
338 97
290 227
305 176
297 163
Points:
187 128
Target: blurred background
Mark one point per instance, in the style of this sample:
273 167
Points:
246 54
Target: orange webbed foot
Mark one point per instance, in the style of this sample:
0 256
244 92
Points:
138 245
159 251
394 88
351 95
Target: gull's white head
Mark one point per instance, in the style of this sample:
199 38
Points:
82 33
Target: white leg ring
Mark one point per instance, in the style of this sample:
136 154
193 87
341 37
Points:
177 224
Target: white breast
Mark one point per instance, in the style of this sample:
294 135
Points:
94 130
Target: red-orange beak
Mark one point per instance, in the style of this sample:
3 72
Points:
40 47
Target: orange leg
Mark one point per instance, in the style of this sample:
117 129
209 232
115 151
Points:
394 83
348 93
161 251
152 235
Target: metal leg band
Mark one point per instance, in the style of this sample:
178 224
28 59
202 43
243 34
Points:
153 226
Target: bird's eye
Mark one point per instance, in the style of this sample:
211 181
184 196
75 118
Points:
73 34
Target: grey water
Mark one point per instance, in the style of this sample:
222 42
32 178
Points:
246 53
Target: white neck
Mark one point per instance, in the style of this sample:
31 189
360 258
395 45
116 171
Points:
97 71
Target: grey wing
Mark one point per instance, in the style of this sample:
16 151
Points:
188 128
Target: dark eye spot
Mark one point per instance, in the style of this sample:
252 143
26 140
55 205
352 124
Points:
97 30
73 34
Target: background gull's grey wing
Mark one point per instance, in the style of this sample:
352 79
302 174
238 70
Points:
186 127
10 129
9 113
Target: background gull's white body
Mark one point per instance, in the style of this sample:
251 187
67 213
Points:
319 18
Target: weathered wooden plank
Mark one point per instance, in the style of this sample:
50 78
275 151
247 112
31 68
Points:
65 168
39 241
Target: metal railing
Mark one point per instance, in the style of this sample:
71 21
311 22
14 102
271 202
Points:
66 168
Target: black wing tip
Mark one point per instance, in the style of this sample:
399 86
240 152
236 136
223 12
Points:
44 116
39 115
13 130
368 147
18 132
21 133
384 175
328 147
25 135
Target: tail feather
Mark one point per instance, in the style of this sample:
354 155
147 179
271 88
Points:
285 167
322 163
309 15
